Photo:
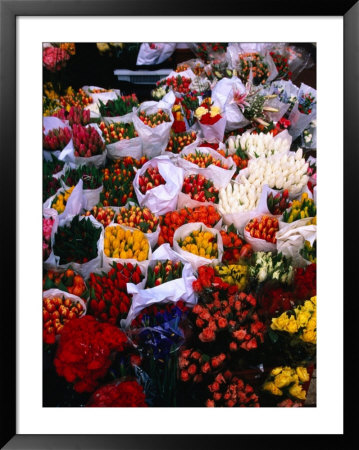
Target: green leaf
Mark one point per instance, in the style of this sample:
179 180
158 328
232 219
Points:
49 284
273 336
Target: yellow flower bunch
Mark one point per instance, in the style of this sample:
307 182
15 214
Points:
215 110
177 112
201 243
69 47
286 378
125 244
49 91
59 202
103 47
235 274
300 209
304 320
312 221
200 111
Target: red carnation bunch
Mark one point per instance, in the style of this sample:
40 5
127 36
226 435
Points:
305 282
231 391
109 300
119 394
85 349
194 365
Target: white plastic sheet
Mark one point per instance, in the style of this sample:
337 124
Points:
163 198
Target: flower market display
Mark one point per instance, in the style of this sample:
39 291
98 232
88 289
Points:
180 234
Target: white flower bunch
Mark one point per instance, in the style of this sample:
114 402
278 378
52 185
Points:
237 198
287 171
200 84
256 145
269 266
158 93
307 137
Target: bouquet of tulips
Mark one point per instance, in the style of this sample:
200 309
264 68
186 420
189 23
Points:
75 115
56 139
79 99
87 141
118 107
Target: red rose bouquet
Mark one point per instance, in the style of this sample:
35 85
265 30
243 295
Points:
231 391
119 394
85 351
211 121
195 365
207 113
233 321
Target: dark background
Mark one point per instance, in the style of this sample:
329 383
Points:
89 67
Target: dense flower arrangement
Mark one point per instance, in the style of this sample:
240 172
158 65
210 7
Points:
225 315
85 350
122 394
286 381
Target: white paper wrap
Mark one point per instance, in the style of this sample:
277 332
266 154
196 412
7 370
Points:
159 53
222 95
172 291
104 96
290 240
196 261
163 198
74 204
214 132
300 121
52 263
154 140
220 177
124 147
185 73
127 118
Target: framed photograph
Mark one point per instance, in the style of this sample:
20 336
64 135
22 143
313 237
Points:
87 75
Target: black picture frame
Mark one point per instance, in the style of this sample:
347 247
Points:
9 10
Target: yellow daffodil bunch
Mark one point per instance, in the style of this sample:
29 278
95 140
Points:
60 201
201 243
287 381
125 244
302 320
